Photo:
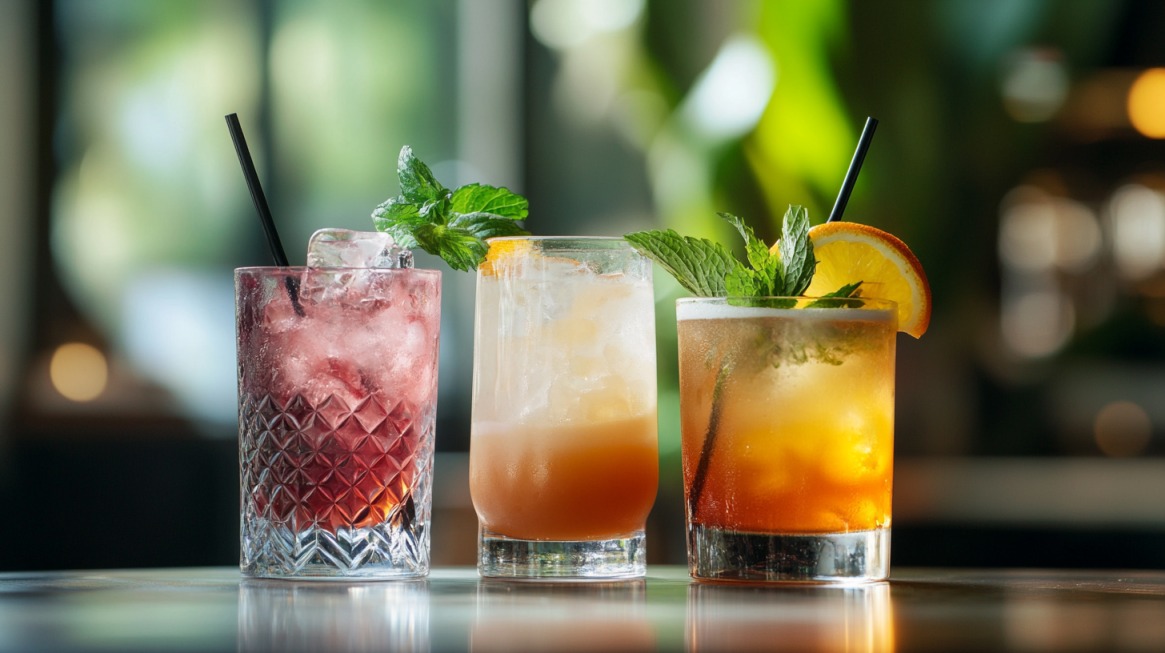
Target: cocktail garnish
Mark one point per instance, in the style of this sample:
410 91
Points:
698 264
452 224
708 269
785 272
886 266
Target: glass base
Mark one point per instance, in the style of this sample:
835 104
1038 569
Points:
385 551
503 557
724 555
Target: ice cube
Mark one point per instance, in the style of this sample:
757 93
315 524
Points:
344 248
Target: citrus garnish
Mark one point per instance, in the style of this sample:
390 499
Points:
835 259
847 252
500 251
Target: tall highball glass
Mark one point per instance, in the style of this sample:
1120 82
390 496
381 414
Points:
563 456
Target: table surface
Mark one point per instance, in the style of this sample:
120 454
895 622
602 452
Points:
214 609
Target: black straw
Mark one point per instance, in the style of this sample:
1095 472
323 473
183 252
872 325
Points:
700 478
256 189
261 207
855 166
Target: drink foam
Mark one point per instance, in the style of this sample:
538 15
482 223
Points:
701 310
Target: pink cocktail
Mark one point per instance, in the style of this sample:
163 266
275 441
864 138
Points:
337 403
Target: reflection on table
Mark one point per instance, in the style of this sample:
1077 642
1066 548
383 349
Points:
748 618
526 616
453 610
276 615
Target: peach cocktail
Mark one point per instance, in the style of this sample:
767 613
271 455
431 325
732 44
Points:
563 449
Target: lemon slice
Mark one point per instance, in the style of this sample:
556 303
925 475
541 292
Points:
848 252
501 250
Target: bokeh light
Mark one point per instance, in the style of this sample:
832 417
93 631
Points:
1037 321
78 371
1147 103
1122 428
731 95
1035 85
1040 232
1137 215
561 24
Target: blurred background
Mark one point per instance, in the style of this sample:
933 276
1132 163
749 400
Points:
1021 154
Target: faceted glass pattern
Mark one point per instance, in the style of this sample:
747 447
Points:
334 489
337 405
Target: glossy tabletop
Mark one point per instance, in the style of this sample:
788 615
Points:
214 609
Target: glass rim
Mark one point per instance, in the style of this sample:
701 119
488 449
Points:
566 244
801 303
298 269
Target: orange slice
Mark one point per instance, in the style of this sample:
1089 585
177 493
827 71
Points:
501 250
848 251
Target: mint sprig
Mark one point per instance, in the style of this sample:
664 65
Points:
699 265
452 224
708 269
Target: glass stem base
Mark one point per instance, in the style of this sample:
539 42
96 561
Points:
725 555
612 559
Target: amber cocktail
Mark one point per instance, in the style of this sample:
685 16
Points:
787 408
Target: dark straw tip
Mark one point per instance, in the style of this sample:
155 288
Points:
855 166
256 189
262 209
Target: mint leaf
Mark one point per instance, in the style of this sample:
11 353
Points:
450 224
399 218
768 271
755 249
763 302
486 225
417 183
796 251
848 291
461 250
479 198
699 265
743 282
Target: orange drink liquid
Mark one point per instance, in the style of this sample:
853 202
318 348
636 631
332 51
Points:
563 456
787 418
597 480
